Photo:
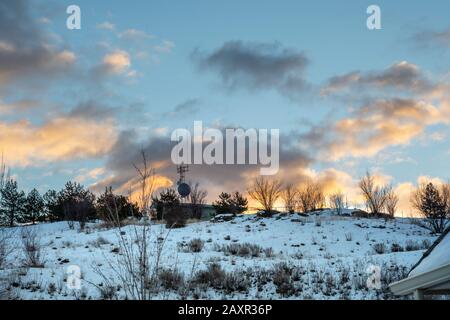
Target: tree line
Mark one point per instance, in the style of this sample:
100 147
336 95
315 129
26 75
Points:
429 200
73 203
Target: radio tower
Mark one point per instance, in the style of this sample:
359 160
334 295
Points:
181 170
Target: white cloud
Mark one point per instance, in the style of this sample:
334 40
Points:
106 26
165 47
135 34
116 62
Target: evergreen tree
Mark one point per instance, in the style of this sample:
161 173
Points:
228 203
434 208
12 204
34 207
59 205
239 203
53 208
77 203
114 207
432 204
223 204
167 199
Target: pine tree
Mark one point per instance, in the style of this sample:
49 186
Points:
239 203
12 204
434 208
34 207
53 209
228 203
167 199
114 207
223 205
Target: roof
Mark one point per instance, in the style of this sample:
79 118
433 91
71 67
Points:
432 272
436 256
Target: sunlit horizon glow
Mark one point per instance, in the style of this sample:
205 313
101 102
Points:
81 104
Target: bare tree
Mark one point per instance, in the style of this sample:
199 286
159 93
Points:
197 198
311 196
445 190
265 192
391 202
289 196
4 175
6 247
337 202
138 263
374 196
147 184
31 244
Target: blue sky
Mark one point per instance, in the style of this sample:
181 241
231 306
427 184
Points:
171 39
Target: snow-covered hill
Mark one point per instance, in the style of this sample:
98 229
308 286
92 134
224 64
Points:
284 257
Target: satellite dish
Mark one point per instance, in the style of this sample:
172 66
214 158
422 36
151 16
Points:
184 189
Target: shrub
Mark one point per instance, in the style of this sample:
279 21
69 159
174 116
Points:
236 282
108 292
171 279
426 244
175 217
412 246
241 250
31 248
379 248
268 252
100 241
196 245
282 279
395 247
213 276
5 248
344 276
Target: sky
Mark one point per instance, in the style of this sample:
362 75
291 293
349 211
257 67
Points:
80 104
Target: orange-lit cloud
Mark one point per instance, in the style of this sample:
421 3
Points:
383 124
26 144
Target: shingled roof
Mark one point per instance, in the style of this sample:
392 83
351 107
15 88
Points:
434 258
431 274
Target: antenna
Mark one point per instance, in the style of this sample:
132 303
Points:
181 170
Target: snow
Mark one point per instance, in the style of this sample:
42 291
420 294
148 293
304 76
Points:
324 243
439 256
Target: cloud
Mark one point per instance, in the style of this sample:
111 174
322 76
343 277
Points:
399 76
92 174
117 62
255 66
26 52
59 139
374 127
106 26
20 106
126 152
165 47
188 107
91 109
135 35
114 63
432 38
